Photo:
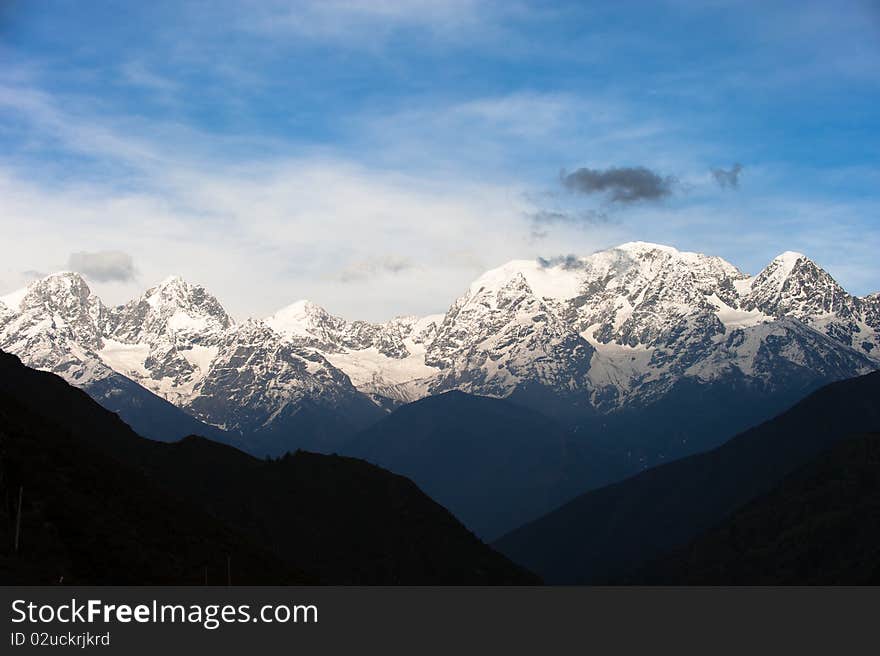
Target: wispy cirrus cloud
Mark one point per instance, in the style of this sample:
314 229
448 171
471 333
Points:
289 142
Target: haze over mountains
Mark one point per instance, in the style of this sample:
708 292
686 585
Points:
612 533
492 463
620 334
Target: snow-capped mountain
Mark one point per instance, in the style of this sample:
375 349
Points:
622 328
57 324
166 339
794 286
386 361
177 345
502 333
258 382
625 325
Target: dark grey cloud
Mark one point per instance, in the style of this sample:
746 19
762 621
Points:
626 184
375 266
103 266
564 261
728 178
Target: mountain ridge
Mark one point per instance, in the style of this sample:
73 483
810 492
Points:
818 526
608 533
603 335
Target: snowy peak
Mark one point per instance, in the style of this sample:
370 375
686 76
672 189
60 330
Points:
777 273
62 303
642 247
64 292
500 334
172 310
642 294
308 324
788 260
793 285
258 376
55 324
644 315
627 270
653 259
306 320
552 279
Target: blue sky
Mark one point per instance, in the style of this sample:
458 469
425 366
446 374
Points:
377 156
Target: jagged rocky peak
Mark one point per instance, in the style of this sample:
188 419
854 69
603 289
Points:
642 294
6 313
500 334
421 330
660 264
793 285
65 292
172 309
871 309
257 374
54 324
307 321
63 302
556 279
309 324
625 270
256 349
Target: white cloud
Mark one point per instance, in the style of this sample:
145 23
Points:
374 267
103 266
433 185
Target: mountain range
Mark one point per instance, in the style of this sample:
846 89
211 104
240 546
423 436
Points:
597 341
625 359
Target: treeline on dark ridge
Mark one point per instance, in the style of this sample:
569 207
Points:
820 526
102 505
611 534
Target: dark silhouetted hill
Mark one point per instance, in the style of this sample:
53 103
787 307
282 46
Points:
820 526
608 533
123 509
493 463
87 518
